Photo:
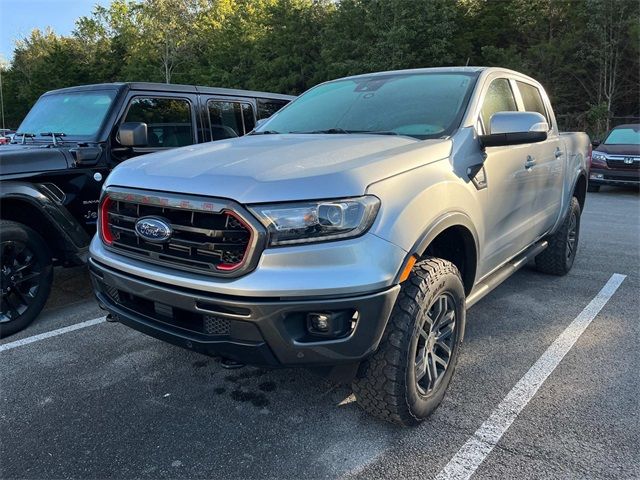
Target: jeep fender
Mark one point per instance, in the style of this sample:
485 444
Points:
69 235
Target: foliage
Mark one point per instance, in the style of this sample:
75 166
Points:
585 52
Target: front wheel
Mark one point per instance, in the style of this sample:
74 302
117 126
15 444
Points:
406 379
26 275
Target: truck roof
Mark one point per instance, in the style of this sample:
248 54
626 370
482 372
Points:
472 70
169 87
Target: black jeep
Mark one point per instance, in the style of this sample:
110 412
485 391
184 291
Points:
52 172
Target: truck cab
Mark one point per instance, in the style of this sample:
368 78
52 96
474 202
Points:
52 173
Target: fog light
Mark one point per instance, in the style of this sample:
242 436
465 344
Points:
319 322
597 176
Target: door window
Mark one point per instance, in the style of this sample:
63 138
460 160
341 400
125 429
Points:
230 119
266 108
532 99
499 98
168 120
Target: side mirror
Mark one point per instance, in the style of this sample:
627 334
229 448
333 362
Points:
595 143
515 128
133 134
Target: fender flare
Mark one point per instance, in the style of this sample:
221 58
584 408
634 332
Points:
448 220
565 208
75 239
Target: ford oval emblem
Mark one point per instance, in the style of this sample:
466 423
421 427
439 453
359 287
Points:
153 229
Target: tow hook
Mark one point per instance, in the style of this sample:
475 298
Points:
230 364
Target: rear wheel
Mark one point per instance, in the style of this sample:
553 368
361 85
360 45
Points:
559 256
406 379
26 275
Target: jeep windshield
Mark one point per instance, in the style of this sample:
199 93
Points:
420 105
78 115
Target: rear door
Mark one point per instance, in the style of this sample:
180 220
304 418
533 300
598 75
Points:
229 117
547 160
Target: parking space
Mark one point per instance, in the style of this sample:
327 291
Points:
106 401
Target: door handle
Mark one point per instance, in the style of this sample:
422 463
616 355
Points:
558 153
530 162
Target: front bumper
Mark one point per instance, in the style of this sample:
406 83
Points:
259 331
601 176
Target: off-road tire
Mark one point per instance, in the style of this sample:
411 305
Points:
386 385
42 263
593 188
557 259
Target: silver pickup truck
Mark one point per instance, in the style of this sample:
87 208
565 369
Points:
351 231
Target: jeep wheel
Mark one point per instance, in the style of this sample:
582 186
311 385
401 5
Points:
26 275
405 380
559 256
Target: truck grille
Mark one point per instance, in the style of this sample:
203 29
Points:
204 236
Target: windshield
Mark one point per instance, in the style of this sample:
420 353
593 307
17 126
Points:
76 114
423 105
624 136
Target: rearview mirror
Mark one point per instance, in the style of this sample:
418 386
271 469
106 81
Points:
133 134
515 128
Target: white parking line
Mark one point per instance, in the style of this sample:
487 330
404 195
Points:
52 333
466 461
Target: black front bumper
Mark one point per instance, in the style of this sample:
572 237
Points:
601 176
268 331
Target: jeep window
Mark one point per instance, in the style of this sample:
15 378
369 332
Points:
78 115
623 136
421 105
168 120
499 98
266 108
532 99
230 119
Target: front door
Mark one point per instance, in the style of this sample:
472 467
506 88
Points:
511 188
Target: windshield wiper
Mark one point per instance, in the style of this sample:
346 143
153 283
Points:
381 132
53 136
24 136
328 130
265 132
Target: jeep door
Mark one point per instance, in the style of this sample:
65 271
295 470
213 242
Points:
228 117
172 120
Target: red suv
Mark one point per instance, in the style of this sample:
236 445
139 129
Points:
616 161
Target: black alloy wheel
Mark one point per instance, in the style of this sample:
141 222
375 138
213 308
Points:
26 275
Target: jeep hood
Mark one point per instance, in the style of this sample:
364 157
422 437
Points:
16 159
269 168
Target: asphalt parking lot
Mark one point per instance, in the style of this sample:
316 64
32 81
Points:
107 402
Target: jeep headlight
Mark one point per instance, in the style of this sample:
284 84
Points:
317 221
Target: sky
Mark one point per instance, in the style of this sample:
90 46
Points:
19 17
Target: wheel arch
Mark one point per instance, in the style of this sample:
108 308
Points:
580 188
451 237
33 206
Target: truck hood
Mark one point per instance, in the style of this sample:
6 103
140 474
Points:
16 159
632 150
269 168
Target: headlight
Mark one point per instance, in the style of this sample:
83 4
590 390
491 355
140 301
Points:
598 157
306 222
